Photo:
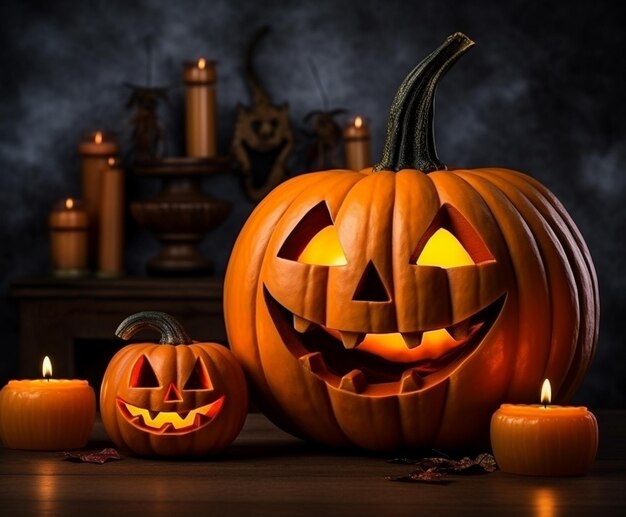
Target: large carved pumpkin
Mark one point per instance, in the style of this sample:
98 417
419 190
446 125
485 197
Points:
173 398
398 306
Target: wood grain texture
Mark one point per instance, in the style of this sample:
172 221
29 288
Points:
267 472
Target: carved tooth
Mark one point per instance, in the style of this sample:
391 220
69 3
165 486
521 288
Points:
351 339
412 339
168 427
411 381
200 419
301 325
313 362
353 381
460 330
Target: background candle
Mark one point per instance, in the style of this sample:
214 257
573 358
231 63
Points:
200 108
356 135
111 242
68 238
94 154
46 414
544 440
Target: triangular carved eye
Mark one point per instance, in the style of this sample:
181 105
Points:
444 250
199 378
314 240
143 375
450 241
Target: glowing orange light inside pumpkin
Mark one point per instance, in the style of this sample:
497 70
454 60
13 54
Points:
98 137
69 203
358 122
392 346
435 343
46 367
201 63
444 250
324 249
177 421
111 161
546 393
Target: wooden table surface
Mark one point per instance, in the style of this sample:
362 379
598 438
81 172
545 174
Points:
267 472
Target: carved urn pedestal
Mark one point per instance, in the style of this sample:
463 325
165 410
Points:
181 214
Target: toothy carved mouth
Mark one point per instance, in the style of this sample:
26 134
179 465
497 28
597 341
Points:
169 422
355 361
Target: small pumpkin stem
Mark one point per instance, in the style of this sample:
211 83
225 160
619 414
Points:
172 332
410 141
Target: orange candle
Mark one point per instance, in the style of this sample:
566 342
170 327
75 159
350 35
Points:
94 153
544 439
68 238
46 414
111 245
201 108
356 135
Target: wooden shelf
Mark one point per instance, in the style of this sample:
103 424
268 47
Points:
66 319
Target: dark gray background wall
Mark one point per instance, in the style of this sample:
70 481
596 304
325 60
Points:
542 92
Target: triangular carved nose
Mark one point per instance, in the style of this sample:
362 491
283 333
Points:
173 395
371 287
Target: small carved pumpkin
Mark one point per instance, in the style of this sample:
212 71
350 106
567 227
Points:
173 398
398 306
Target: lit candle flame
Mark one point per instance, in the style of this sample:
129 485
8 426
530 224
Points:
69 203
546 393
201 63
358 122
98 137
111 161
46 367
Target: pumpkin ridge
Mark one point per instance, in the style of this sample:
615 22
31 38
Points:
284 188
482 184
575 233
120 361
389 288
559 278
273 407
329 183
585 277
465 175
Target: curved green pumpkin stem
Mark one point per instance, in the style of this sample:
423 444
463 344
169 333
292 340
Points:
410 141
172 332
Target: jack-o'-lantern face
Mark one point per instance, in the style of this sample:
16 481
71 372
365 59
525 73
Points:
361 330
371 340
184 407
398 306
172 398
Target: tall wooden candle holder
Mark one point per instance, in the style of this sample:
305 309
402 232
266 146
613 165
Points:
181 214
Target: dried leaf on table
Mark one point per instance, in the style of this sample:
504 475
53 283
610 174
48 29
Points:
434 469
101 457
